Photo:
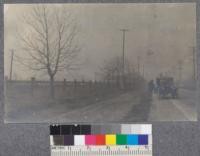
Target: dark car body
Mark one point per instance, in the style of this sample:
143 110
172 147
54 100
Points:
167 88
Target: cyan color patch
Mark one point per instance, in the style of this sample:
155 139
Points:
132 139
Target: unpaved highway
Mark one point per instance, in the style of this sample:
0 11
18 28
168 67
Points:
181 109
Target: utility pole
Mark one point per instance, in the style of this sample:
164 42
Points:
123 47
138 64
180 71
143 70
194 63
11 64
123 53
95 76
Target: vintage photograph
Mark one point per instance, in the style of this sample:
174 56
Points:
128 62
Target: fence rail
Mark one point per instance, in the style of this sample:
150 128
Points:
64 89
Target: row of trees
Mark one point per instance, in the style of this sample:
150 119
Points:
123 73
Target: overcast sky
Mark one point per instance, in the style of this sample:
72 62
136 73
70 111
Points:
167 30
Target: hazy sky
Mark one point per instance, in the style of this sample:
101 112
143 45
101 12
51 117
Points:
168 30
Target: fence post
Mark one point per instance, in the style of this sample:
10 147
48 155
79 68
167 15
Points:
90 85
5 83
32 85
74 88
83 83
108 83
64 85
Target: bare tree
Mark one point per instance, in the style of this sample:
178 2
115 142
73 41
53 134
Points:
113 70
49 41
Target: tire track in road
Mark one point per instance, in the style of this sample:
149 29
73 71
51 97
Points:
189 113
111 110
166 110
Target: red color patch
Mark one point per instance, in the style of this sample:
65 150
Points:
100 139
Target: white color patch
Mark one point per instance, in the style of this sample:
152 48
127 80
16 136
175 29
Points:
51 140
146 129
136 129
79 140
125 129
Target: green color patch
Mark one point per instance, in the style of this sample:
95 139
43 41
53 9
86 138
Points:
121 139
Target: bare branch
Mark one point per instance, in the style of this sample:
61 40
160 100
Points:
50 40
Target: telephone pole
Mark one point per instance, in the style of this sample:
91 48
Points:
123 55
123 48
138 64
180 70
11 64
194 63
143 70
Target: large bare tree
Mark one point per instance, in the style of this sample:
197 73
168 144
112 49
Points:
49 41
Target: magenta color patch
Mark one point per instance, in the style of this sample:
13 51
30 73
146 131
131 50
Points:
90 140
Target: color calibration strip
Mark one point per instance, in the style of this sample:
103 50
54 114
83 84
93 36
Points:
99 140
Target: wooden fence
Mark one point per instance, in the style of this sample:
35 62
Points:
64 89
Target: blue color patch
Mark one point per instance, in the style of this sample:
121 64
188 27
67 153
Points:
143 139
132 139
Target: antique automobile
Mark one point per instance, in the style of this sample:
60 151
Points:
167 88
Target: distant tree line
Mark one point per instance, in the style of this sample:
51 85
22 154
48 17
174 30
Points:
123 75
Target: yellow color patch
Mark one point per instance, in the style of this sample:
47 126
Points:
110 139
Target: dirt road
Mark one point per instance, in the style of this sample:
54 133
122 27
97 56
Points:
123 108
180 109
126 107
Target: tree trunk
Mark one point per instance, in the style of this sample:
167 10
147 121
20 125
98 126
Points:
52 92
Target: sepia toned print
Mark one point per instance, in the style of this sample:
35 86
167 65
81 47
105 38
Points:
100 62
